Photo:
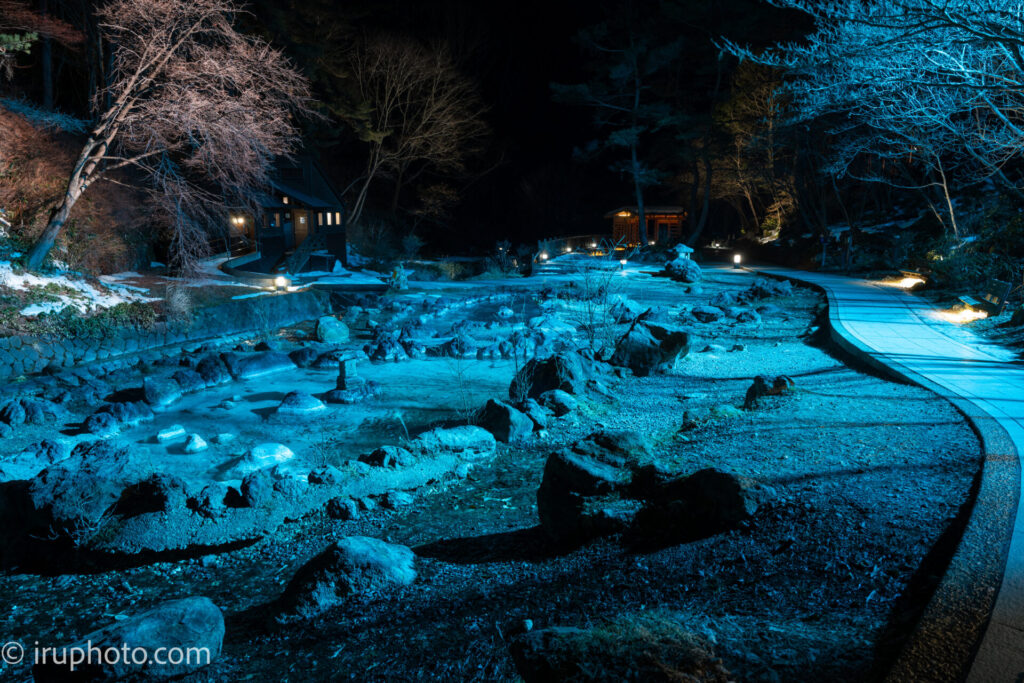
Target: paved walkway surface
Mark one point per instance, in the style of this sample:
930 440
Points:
893 328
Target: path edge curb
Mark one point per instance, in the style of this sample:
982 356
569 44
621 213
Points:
944 642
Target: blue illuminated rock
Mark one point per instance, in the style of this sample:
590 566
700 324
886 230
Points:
160 391
352 566
192 626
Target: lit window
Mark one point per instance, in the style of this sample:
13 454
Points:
319 219
277 220
284 200
302 220
329 219
337 218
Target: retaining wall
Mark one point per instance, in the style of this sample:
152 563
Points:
26 355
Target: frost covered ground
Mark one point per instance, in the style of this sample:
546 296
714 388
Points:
864 476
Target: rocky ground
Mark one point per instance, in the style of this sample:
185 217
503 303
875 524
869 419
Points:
856 479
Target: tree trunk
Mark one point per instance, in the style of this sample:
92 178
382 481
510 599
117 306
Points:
638 186
398 191
706 208
44 243
46 63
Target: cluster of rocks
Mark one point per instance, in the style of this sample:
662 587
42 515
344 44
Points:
609 483
357 567
27 411
99 501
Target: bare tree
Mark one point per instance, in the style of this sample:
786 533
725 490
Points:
417 113
935 85
200 109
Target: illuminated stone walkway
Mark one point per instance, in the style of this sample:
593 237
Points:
902 333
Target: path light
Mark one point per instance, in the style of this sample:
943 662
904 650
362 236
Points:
593 245
623 262
651 243
281 283
568 250
967 315
736 260
910 282
543 256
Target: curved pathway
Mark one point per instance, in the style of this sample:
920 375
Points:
981 595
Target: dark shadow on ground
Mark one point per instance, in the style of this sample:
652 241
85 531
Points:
521 545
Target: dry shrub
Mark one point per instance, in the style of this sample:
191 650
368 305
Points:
107 232
178 303
640 647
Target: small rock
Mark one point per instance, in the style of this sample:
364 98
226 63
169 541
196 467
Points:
195 444
172 433
558 402
388 456
299 403
341 508
707 314
392 500
331 330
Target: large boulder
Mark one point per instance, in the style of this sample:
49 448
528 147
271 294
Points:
352 566
213 371
641 352
634 648
189 380
504 422
586 490
185 635
69 500
697 506
331 330
562 371
683 269
160 391
581 498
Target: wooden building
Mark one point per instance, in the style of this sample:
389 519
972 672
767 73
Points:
664 224
302 216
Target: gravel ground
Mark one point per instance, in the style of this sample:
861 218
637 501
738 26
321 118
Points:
866 475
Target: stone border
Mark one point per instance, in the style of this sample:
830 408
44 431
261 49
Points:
949 631
26 355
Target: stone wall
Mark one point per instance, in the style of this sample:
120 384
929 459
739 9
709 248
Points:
26 355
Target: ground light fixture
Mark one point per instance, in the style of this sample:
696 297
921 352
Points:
543 256
736 260
281 283
623 262
966 315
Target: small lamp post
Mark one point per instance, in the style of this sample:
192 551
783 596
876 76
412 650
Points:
281 283
736 260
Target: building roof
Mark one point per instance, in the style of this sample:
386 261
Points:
306 200
648 210
303 181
